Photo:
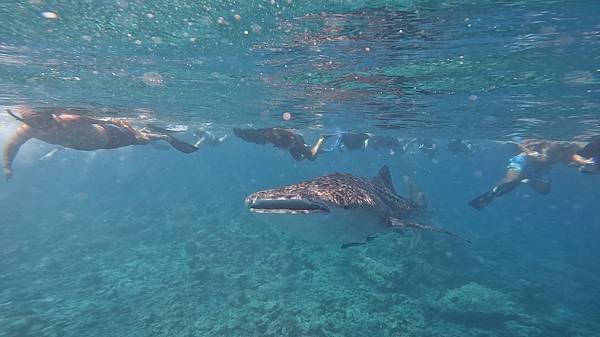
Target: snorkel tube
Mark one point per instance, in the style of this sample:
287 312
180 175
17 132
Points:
15 116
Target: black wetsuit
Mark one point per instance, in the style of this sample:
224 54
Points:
354 141
118 136
384 142
592 150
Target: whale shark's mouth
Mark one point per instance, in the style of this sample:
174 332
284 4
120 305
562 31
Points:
286 206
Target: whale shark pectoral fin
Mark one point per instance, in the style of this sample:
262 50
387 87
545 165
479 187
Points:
396 224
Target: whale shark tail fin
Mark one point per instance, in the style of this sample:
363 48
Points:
415 194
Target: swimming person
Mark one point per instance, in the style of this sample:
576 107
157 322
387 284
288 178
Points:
456 146
348 140
531 166
427 146
392 144
207 138
79 132
354 141
283 139
588 158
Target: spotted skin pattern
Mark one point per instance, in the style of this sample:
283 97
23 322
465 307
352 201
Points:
347 191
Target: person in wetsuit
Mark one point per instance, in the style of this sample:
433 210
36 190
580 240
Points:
392 144
207 138
348 140
284 139
588 158
456 146
78 132
531 166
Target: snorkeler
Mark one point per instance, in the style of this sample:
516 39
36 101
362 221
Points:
283 139
348 140
531 166
392 144
354 141
456 146
588 158
425 145
79 132
207 138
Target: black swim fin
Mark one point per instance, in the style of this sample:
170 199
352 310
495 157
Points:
182 146
483 200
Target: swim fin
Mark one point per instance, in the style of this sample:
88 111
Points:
182 146
483 200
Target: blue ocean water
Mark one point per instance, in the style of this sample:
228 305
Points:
143 241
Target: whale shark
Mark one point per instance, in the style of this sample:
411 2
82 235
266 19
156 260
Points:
342 208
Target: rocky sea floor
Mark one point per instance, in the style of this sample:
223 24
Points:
216 271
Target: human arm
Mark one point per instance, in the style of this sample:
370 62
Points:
22 135
580 160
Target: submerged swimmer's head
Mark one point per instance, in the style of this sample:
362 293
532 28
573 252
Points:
35 119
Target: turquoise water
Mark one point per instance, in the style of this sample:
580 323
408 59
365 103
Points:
145 242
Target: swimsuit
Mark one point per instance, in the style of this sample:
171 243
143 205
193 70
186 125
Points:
592 150
522 163
118 136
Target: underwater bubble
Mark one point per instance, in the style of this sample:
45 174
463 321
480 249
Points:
287 116
221 21
50 15
237 17
150 16
472 98
86 38
153 79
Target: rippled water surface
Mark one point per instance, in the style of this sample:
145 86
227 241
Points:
484 69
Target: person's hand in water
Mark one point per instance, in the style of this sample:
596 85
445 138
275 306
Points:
589 168
7 173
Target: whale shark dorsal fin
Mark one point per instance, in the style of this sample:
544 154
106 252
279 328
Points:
384 178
